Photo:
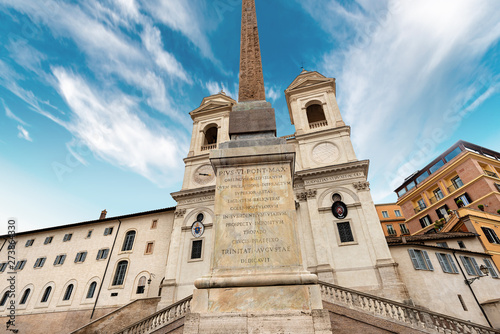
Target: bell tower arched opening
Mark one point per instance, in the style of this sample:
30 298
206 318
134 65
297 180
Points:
316 116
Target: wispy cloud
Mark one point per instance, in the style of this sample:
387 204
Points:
273 93
25 55
23 133
106 123
406 70
216 87
11 115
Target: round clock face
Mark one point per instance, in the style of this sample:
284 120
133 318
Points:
197 229
325 153
203 174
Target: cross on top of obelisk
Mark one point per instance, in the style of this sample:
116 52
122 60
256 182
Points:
251 76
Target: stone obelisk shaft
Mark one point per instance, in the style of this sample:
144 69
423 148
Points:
251 76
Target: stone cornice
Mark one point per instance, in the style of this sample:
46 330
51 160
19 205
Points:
322 133
361 166
184 194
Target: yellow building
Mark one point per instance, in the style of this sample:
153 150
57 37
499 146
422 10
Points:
392 219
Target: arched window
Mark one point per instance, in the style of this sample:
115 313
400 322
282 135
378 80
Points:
24 299
121 270
316 116
46 294
211 136
90 293
69 291
141 286
128 243
4 298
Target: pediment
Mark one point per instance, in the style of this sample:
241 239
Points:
214 102
307 79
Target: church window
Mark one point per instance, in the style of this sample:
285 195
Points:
102 254
121 270
316 116
25 296
385 214
46 294
141 286
490 235
345 232
40 262
4 298
48 240
447 263
91 291
128 243
69 291
420 259
210 137
196 249
80 257
59 260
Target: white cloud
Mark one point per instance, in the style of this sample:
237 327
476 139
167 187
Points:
273 93
25 55
216 87
11 115
106 123
404 73
23 133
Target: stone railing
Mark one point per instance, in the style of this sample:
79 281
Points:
209 147
160 318
487 172
288 137
319 124
414 317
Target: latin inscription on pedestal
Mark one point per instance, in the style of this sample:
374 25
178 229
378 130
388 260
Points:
255 213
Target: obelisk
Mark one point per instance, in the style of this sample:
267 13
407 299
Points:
257 282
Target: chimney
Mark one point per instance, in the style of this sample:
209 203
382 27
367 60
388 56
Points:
103 214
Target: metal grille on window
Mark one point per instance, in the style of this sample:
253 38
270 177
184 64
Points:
196 249
345 232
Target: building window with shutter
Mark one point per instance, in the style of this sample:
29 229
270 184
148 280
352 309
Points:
80 257
102 254
491 268
40 262
425 221
108 231
490 235
67 237
48 240
447 263
471 266
420 259
391 230
59 260
385 214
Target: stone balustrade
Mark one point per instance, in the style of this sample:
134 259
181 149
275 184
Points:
419 319
319 124
209 147
160 318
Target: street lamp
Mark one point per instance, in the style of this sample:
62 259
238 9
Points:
485 272
150 280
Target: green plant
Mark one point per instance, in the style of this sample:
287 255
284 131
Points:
450 212
460 203
481 207
498 211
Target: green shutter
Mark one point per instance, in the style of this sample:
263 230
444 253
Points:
452 263
491 268
413 258
442 262
428 261
467 266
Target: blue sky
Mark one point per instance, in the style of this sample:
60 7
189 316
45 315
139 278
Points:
95 95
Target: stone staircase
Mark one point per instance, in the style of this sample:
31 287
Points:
415 319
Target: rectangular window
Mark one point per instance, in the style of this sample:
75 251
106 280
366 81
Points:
422 177
490 235
345 232
59 260
67 237
457 182
385 214
464 198
453 154
438 193
491 268
471 266
3 266
421 204
40 262
102 254
401 192
461 244
410 186
425 221
391 230
447 263
89 234
442 244
30 242
397 213
442 212
420 259
48 240
20 265
80 257
436 166
498 186
404 229
196 249
154 224
149 248
108 231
